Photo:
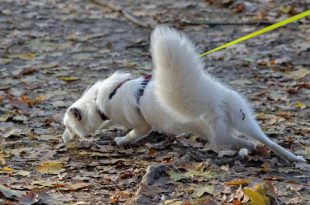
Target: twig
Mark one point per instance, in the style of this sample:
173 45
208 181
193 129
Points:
225 23
121 10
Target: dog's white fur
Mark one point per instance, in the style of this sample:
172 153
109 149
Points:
189 94
123 109
186 100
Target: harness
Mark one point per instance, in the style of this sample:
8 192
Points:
116 88
139 93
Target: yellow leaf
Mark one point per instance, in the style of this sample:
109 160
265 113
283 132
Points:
300 105
50 167
25 56
7 169
237 182
68 78
255 197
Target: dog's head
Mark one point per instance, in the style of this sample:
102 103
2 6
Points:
83 118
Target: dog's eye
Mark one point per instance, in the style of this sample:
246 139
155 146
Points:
76 112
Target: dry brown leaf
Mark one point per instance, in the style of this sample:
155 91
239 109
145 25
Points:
236 202
239 8
31 102
72 187
265 167
51 167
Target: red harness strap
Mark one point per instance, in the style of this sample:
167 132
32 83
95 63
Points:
140 92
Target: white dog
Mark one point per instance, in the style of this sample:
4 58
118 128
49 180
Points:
121 99
190 94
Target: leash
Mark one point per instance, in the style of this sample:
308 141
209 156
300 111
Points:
259 32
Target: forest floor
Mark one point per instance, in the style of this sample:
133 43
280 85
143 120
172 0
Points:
52 50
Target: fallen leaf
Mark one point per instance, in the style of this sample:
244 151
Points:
7 169
2 160
4 61
51 167
239 8
68 78
299 105
237 182
265 167
236 202
194 174
4 118
255 197
300 73
25 56
125 174
28 198
31 102
307 152
73 187
22 173
198 191
43 183
114 199
9 192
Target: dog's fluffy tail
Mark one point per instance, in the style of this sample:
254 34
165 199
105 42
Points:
178 73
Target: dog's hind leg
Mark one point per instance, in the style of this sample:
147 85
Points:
252 129
243 121
134 135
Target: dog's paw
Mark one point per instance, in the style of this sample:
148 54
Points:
121 141
66 140
243 153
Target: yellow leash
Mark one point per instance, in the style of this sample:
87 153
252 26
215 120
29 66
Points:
259 32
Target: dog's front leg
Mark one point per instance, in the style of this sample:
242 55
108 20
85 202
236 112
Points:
134 135
106 124
222 137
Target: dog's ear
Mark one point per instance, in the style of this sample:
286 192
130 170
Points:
76 112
